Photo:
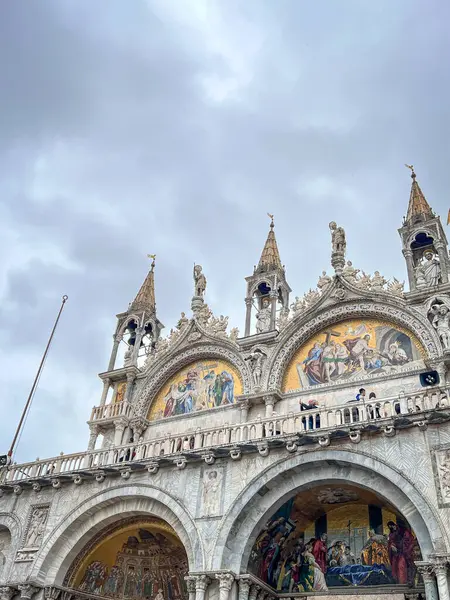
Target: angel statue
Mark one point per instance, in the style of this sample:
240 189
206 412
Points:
338 242
440 319
199 281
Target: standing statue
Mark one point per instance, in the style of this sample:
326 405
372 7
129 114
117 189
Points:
324 281
256 359
377 282
440 314
182 322
263 317
127 358
338 243
431 268
199 281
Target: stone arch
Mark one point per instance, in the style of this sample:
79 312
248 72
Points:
163 370
69 537
299 332
11 524
267 492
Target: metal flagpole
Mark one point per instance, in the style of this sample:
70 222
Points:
36 379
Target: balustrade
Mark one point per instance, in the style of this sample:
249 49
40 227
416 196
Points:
109 411
303 422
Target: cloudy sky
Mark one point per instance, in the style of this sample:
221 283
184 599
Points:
174 126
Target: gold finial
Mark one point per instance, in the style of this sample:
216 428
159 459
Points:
411 168
152 256
271 219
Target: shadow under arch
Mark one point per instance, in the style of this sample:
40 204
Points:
284 479
99 510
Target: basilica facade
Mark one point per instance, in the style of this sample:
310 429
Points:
308 456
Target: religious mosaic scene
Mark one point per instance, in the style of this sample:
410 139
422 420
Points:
306 454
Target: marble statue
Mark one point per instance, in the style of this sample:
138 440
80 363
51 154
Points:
218 326
419 276
256 359
311 297
182 322
127 359
338 242
234 334
263 317
349 273
200 281
377 282
431 268
440 319
365 281
324 281
283 319
298 305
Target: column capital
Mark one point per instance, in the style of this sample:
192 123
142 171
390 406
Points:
269 400
440 568
244 585
27 591
51 593
7 592
248 301
225 580
94 428
426 570
202 582
190 583
244 404
131 376
120 423
254 590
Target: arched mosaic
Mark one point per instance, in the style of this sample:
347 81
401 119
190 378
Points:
351 349
137 558
335 536
201 385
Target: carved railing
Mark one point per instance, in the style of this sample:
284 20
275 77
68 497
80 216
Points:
318 421
109 411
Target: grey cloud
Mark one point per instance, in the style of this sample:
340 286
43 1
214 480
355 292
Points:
111 147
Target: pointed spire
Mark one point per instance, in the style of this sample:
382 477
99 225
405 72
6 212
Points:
418 208
270 256
145 298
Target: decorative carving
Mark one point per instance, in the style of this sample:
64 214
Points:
389 431
355 437
27 591
125 473
51 593
443 468
377 282
336 496
291 446
298 306
153 468
263 448
236 454
225 580
7 592
324 441
37 522
180 463
234 334
17 489
202 582
56 483
395 287
36 487
77 479
310 298
211 492
283 319
209 458
100 477
199 281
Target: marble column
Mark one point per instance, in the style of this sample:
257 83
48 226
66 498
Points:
27 591
115 348
269 401
92 437
410 268
244 589
440 570
190 584
429 580
273 314
225 582
248 316
244 406
106 384
443 257
201 583
119 426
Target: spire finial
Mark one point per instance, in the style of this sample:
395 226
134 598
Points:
153 257
272 224
411 168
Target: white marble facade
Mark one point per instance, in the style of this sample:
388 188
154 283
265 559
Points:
218 496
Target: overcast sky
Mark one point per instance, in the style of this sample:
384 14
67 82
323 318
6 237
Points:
130 127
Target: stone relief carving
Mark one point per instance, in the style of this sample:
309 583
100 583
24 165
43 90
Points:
211 492
36 527
428 271
443 472
257 358
292 339
439 315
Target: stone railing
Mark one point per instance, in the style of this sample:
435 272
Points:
233 439
109 411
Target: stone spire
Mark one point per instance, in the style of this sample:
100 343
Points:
418 208
145 298
270 256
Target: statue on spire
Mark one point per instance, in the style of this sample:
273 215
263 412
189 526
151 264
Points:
338 242
199 281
